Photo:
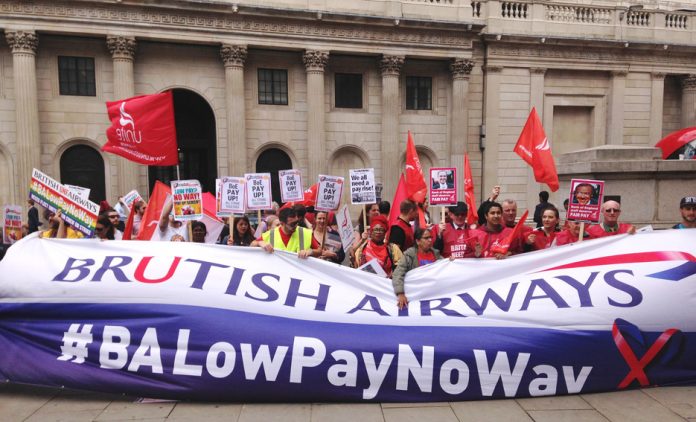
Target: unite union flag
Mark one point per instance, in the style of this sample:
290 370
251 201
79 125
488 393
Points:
142 129
533 146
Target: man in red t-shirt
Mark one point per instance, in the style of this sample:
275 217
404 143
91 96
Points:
509 217
454 239
610 222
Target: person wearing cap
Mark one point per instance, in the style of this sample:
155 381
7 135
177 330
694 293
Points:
611 210
454 239
375 247
687 207
289 237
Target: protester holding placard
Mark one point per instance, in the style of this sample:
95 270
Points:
168 226
57 227
242 234
369 210
571 234
420 254
455 239
386 254
328 239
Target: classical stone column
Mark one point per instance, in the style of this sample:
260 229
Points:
459 119
657 93
234 56
491 121
315 61
122 51
688 115
390 67
24 45
615 113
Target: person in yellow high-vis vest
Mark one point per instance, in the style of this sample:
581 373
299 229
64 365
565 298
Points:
289 237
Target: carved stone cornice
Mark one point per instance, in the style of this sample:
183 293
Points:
618 73
22 41
158 18
315 60
587 55
537 70
233 55
688 82
391 65
461 68
121 47
493 69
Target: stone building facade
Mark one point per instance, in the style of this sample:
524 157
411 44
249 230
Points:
328 85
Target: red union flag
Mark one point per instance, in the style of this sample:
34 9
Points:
142 129
533 146
471 214
415 183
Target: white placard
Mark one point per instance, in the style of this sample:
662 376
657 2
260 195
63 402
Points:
131 198
232 196
345 227
362 186
258 191
329 193
290 185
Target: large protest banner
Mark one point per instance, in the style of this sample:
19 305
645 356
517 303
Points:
209 322
79 213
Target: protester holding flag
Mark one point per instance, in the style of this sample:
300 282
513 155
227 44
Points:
328 239
544 236
510 220
420 254
492 233
57 227
386 254
401 232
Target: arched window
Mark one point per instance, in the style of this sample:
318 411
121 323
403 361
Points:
82 165
270 161
195 136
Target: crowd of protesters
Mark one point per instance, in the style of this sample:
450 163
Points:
396 248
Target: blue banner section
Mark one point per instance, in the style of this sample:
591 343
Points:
200 353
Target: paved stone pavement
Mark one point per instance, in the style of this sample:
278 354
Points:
664 404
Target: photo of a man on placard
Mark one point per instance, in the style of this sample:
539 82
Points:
585 194
443 180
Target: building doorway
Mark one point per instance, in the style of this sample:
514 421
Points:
83 166
270 161
195 136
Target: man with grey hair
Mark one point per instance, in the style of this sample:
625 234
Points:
509 217
611 210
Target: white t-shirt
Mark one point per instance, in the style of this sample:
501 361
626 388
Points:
166 236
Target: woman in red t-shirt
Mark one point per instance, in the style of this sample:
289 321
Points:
544 236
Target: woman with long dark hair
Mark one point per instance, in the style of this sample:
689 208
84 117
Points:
242 235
